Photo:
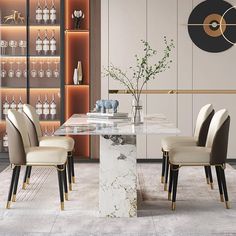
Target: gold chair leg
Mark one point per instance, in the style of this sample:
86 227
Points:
173 207
28 180
73 179
62 206
227 205
162 179
165 187
221 197
66 196
24 186
14 198
8 205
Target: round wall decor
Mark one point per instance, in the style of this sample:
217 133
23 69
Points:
212 25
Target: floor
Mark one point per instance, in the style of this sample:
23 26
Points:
199 211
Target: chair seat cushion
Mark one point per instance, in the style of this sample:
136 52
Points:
46 156
170 142
57 141
190 156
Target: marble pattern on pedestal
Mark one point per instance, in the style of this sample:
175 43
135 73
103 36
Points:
118 177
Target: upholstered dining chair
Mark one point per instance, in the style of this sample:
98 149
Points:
199 139
22 153
32 121
213 154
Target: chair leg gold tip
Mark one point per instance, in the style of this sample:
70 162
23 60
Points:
24 186
66 196
162 179
221 198
208 181
8 205
73 179
28 180
173 206
211 184
70 187
62 206
169 196
165 187
14 198
227 205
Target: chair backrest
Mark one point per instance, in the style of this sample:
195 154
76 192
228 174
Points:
217 138
18 139
33 116
202 124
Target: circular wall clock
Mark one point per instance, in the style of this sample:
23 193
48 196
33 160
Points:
212 25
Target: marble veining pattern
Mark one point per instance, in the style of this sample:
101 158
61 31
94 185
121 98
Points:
118 177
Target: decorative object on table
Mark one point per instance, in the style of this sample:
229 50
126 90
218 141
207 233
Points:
142 72
16 17
103 105
75 76
80 73
77 16
211 26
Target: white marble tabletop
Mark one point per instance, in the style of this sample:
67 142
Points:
79 124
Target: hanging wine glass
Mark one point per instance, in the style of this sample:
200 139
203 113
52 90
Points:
3 71
13 44
25 70
23 45
3 44
18 71
33 72
48 71
11 72
56 72
41 71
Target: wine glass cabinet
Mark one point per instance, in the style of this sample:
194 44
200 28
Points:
40 48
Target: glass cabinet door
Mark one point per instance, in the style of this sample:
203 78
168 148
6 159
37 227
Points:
13 61
44 62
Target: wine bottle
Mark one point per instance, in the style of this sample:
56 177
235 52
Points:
45 13
53 12
20 105
45 108
53 43
6 107
5 141
39 13
45 43
39 44
53 108
39 107
13 104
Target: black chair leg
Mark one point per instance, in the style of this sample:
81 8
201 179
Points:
16 183
65 183
166 172
25 177
175 183
163 167
72 169
207 176
210 177
223 181
219 183
11 188
60 183
170 183
69 172
29 174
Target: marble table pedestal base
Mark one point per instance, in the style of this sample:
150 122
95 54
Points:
118 176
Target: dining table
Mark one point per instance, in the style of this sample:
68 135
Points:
118 156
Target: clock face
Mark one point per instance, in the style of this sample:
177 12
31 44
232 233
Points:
212 25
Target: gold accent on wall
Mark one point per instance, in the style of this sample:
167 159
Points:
113 91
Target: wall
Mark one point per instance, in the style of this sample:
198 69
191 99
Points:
125 23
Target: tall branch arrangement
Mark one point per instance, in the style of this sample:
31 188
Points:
143 71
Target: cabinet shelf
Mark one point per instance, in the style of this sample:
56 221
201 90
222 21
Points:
13 25
76 31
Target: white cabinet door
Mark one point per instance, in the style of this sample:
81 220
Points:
219 102
127 26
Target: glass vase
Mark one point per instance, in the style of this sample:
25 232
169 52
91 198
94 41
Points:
137 112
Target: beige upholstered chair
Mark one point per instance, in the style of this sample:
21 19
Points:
199 139
22 153
67 143
213 154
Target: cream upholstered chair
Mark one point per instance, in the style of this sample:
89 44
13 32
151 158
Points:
213 154
49 141
22 153
199 139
